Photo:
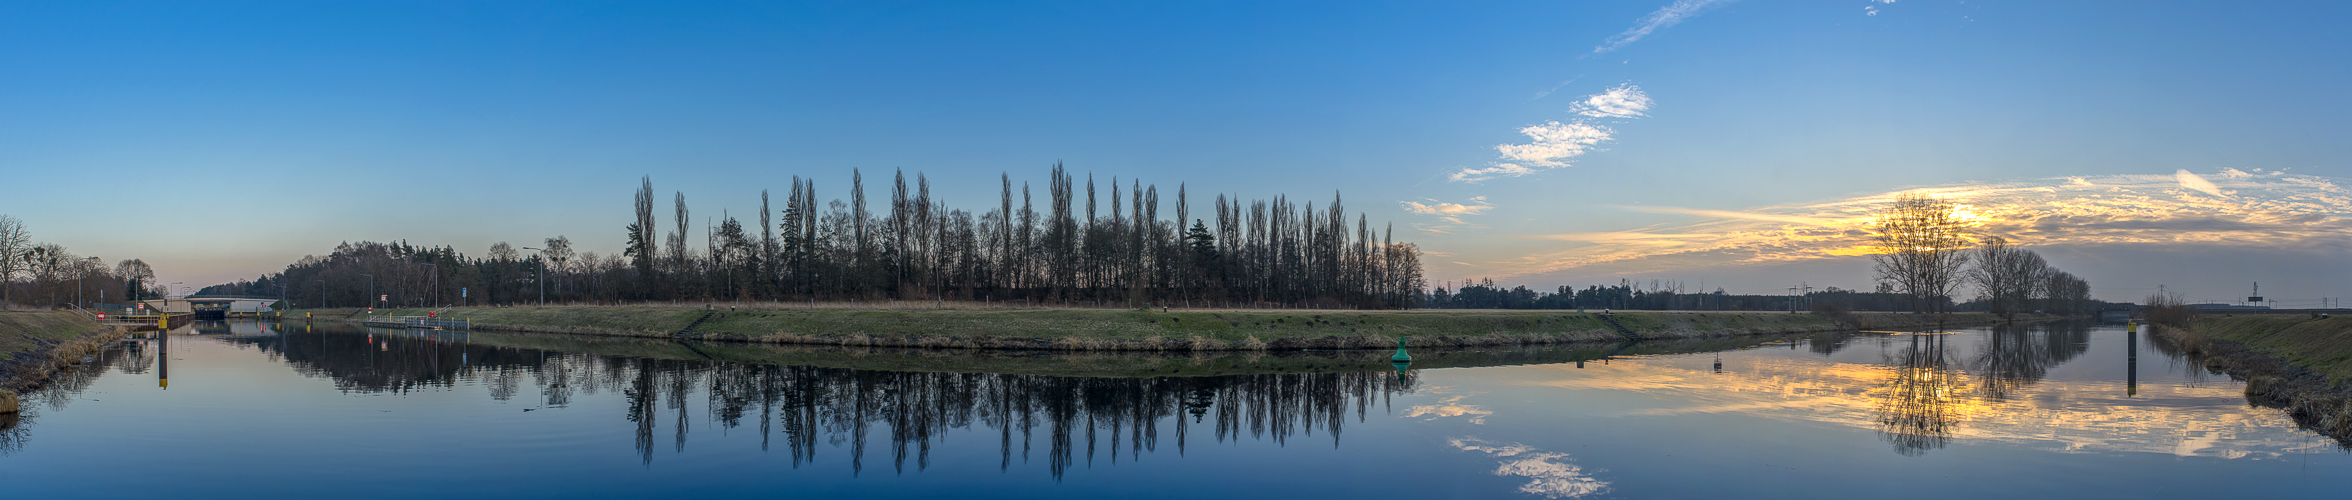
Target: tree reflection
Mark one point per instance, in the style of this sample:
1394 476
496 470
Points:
2012 357
1917 412
1083 418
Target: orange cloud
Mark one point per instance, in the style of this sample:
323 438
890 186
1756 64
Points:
2271 210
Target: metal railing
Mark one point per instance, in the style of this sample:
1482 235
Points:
419 322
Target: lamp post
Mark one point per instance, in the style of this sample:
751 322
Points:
436 283
371 292
542 279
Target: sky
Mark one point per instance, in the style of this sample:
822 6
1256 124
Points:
1724 144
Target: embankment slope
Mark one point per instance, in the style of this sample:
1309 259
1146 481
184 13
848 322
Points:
2294 362
1182 330
35 343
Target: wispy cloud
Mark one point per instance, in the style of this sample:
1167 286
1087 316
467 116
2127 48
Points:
1476 206
1872 10
2270 210
1450 213
1551 144
1730 214
1664 18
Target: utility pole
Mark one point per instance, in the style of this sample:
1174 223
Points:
371 296
542 278
1807 294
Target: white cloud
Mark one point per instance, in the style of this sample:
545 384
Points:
1551 144
1555 141
1622 101
2196 182
1664 18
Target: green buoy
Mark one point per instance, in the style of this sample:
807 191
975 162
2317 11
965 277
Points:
1401 360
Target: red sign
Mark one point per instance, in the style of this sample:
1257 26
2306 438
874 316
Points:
432 314
101 315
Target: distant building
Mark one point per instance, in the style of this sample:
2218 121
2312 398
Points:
213 307
2224 307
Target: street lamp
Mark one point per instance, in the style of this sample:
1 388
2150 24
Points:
542 279
371 292
436 283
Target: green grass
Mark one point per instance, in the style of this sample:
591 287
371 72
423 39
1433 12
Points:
2321 345
1107 329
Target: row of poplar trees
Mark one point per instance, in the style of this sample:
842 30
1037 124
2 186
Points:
1266 253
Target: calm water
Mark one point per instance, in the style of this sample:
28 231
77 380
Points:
285 410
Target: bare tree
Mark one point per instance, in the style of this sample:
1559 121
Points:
2007 277
139 275
14 243
1921 249
558 253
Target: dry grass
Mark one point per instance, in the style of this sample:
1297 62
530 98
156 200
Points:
34 344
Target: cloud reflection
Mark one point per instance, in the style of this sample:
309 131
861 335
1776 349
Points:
1449 407
1939 401
1553 476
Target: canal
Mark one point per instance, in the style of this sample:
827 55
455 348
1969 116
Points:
240 409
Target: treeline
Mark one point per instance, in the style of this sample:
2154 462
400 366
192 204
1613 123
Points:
1656 296
48 275
1118 251
2051 291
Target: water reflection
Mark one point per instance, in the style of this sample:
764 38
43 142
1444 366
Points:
1918 409
2012 357
1083 419
845 407
61 390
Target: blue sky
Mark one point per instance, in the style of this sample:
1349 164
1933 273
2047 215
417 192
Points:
238 136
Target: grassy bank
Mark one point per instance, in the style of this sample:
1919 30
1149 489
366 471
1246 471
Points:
1181 330
2297 363
35 343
